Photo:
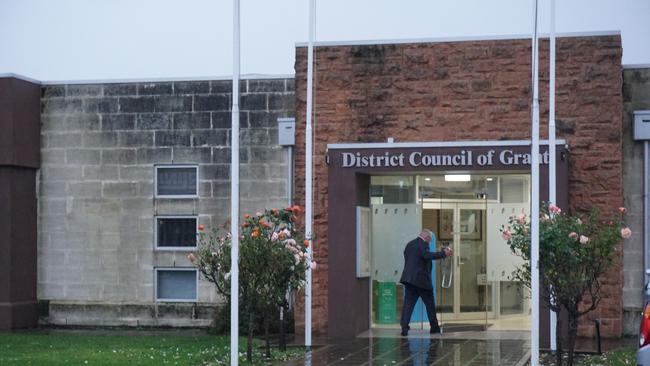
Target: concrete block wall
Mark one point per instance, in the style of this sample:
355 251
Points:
100 143
636 96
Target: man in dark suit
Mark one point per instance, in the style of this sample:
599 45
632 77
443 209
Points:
416 278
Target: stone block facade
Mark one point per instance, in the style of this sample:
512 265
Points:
462 91
636 96
96 204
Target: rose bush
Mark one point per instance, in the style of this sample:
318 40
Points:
273 260
574 252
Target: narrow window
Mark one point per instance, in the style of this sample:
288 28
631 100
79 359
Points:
177 181
176 232
176 284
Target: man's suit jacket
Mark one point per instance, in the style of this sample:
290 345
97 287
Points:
417 264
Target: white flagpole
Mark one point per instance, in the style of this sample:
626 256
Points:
551 143
234 195
308 169
534 212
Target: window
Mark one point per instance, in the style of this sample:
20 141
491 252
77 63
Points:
176 284
392 189
515 189
177 181
176 232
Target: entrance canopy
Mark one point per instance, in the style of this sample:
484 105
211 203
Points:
350 168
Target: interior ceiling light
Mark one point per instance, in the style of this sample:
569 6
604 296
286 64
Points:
427 179
457 177
490 179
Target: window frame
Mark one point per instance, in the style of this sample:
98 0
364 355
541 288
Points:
169 249
175 269
175 166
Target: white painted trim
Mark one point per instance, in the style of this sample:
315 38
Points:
21 77
179 269
454 39
395 145
169 79
171 249
173 166
636 66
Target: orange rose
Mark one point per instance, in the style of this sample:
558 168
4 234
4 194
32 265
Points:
255 233
296 209
201 227
191 257
247 216
306 242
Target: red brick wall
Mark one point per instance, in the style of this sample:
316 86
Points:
474 90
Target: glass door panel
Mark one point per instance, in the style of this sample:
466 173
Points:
393 225
473 289
443 269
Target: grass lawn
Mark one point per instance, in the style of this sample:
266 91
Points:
123 348
622 356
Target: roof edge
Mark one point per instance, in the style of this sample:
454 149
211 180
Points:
486 143
21 77
455 39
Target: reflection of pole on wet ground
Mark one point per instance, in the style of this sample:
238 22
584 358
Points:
308 357
419 350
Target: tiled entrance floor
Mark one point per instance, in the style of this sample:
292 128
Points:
419 348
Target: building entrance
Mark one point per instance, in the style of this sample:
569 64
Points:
472 289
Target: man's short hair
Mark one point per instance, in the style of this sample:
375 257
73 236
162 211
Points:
426 233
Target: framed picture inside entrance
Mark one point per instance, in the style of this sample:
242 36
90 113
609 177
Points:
446 225
470 224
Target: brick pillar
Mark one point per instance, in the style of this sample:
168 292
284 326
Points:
19 162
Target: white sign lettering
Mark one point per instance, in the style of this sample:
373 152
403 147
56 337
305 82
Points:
464 158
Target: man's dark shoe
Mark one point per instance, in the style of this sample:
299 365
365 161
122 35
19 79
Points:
435 330
405 331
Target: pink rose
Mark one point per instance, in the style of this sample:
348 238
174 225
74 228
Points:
573 235
584 239
506 235
621 209
554 209
521 218
275 236
626 233
312 265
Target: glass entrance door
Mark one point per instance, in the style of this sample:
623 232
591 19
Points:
461 290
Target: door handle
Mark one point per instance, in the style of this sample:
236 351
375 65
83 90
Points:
458 262
447 272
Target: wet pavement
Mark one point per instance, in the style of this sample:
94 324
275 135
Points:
419 348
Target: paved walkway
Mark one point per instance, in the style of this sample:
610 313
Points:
419 348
